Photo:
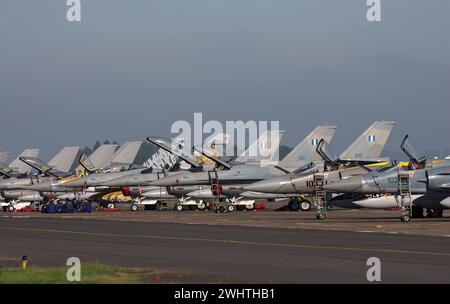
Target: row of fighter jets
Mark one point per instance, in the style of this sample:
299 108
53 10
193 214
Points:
358 178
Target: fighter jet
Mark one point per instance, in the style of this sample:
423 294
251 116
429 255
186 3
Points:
120 165
58 166
302 153
195 162
101 156
240 173
424 185
363 152
11 187
17 168
236 174
138 185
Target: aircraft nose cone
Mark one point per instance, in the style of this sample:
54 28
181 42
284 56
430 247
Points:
349 185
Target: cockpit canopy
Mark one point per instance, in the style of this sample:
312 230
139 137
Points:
309 168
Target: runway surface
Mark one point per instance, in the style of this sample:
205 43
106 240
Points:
228 253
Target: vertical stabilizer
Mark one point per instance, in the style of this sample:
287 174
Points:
264 149
20 167
65 160
370 144
306 149
127 153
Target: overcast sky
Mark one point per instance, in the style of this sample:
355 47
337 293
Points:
130 68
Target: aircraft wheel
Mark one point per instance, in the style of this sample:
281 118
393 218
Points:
250 206
134 207
417 212
294 205
179 207
305 205
11 208
220 209
201 206
405 218
289 206
321 216
111 205
230 208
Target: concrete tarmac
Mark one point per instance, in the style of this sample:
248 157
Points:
225 252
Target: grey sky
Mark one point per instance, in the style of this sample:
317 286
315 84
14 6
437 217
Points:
131 68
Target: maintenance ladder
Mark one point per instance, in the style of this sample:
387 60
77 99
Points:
320 194
405 200
214 180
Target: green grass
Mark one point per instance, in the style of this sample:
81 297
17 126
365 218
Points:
90 274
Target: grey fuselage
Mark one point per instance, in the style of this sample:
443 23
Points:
421 181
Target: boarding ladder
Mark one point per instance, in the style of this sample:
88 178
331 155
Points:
320 194
404 193
161 204
214 181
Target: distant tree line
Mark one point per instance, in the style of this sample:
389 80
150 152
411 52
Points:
88 151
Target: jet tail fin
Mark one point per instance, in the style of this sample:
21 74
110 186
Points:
370 144
306 149
98 159
65 160
264 149
127 153
20 167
